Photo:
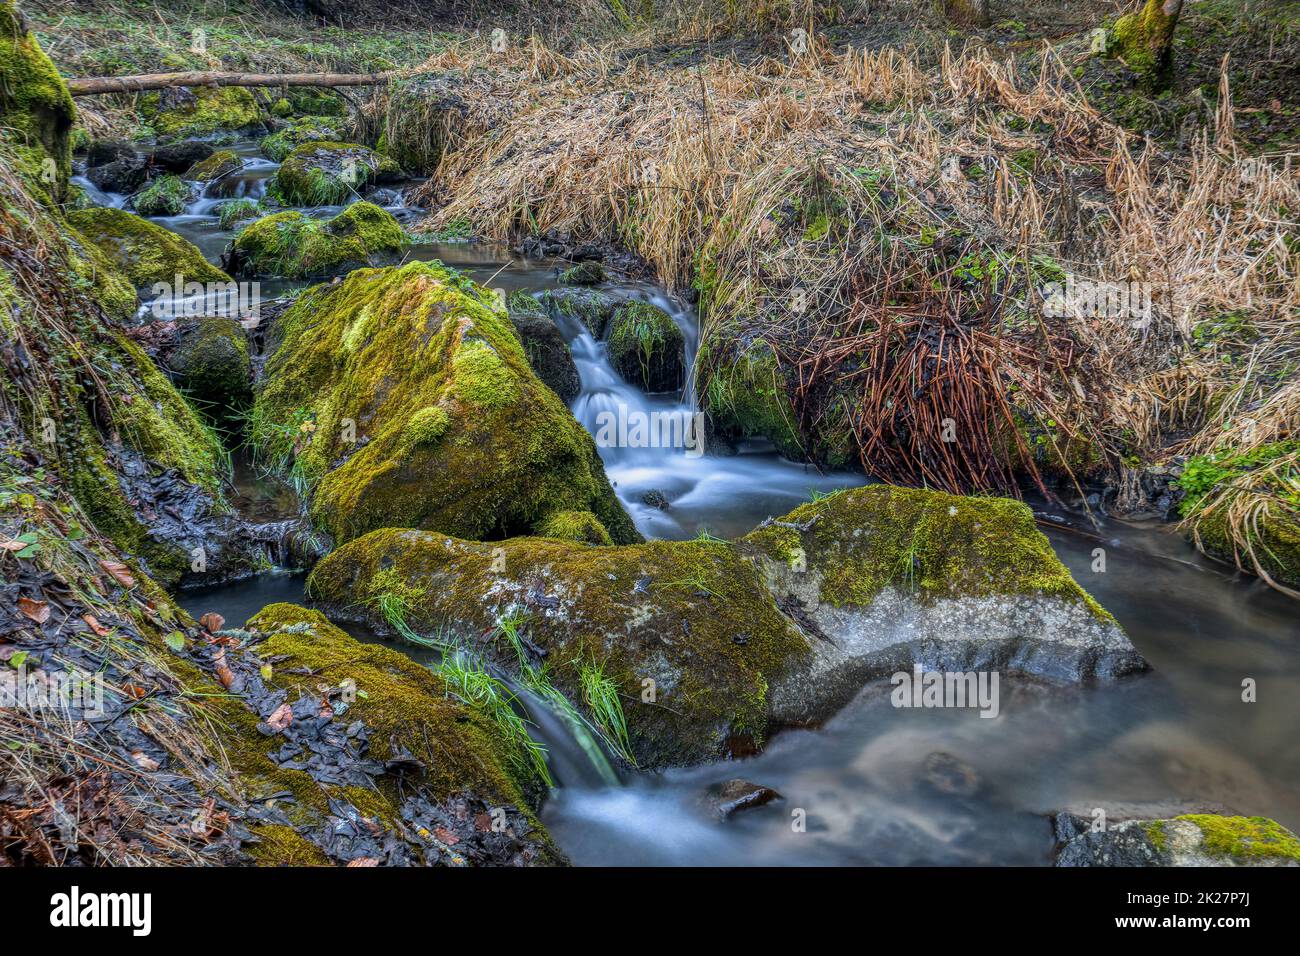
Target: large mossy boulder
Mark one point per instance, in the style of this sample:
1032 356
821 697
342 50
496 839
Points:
388 739
402 396
211 364
183 113
291 245
1192 839
646 347
144 251
308 129
326 173
36 111
711 645
544 344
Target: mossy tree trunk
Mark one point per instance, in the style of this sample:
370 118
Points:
1145 39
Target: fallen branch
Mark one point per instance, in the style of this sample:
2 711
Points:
92 85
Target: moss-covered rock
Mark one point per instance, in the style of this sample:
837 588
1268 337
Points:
308 129
590 272
232 213
1144 39
1193 839
292 245
210 362
544 344
575 526
221 163
182 113
404 398
747 396
646 347
325 173
36 111
144 251
713 644
591 307
165 196
1244 508
444 753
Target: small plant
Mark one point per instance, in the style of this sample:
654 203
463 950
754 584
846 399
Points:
600 694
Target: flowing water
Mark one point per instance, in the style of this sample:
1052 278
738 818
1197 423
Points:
876 785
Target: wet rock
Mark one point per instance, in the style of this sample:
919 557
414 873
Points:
291 245
1198 839
590 307
590 272
950 775
548 353
178 157
165 196
452 430
101 152
780 628
123 175
325 173
210 362
732 796
219 164
646 347
655 499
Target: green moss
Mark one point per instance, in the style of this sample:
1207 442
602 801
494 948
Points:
231 214
406 707
36 111
385 344
291 245
584 273
1251 838
646 346
282 845
144 251
219 164
212 365
1143 40
324 173
691 617
747 397
114 292
1155 831
210 110
308 129
930 544
574 526
165 196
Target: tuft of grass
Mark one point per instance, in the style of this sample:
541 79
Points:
600 694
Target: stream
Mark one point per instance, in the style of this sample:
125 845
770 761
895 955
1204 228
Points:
877 784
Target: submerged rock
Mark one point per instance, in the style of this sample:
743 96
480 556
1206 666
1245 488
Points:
145 251
291 245
732 796
404 398
1194 839
324 173
713 644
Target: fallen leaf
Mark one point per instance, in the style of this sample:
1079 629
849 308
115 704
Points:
212 621
446 836
93 623
225 675
267 671
363 861
281 719
136 691
144 761
38 611
175 640
14 545
119 572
